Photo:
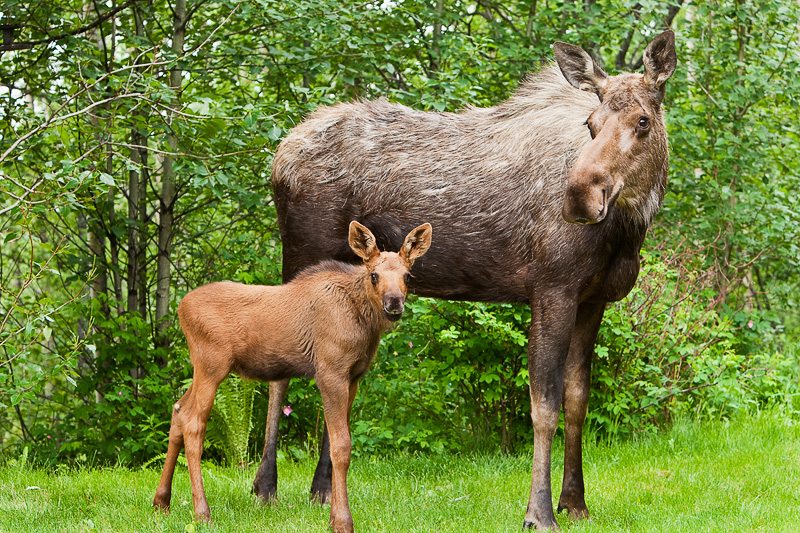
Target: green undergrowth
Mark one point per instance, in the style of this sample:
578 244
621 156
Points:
725 476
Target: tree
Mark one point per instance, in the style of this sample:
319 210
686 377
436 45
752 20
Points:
135 157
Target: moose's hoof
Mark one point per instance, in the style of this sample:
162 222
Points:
321 497
541 525
265 493
576 511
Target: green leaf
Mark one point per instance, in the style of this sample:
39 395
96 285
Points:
274 133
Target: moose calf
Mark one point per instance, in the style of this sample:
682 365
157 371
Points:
326 324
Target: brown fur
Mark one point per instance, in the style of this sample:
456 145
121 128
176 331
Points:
545 198
325 324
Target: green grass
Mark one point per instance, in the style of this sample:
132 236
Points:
740 476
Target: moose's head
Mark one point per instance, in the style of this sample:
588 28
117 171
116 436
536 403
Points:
627 156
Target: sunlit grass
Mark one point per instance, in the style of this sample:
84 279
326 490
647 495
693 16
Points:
740 476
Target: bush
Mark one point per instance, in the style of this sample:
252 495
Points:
121 403
666 350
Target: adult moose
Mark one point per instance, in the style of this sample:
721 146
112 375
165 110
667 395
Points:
544 198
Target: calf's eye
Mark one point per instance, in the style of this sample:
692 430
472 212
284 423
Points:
374 278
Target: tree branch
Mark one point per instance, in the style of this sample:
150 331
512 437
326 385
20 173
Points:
8 43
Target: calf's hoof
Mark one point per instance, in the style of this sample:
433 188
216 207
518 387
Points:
161 501
202 514
342 525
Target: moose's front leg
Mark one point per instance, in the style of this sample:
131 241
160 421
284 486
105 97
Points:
576 399
552 321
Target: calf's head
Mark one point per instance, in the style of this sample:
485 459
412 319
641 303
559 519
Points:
625 163
389 272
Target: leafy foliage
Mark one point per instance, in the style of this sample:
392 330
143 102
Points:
229 430
96 249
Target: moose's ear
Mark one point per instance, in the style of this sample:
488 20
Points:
362 241
660 60
579 68
416 243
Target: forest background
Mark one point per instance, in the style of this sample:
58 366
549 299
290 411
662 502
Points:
136 140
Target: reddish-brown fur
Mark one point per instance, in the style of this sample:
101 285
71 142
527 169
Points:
555 188
325 324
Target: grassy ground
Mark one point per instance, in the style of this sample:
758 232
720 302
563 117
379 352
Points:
741 476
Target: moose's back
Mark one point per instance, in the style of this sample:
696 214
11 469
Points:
490 180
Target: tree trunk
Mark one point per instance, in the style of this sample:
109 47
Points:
529 23
133 229
168 195
137 204
727 273
96 235
436 49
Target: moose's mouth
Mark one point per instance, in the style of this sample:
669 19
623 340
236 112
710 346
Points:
589 206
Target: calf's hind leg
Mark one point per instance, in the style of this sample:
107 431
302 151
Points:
204 388
189 418
164 490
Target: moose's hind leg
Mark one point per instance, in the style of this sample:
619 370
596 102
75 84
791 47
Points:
265 485
321 484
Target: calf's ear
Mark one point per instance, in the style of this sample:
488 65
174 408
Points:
362 241
416 243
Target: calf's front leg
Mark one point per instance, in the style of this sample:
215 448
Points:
336 394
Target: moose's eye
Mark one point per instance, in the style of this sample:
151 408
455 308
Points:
591 131
374 278
644 123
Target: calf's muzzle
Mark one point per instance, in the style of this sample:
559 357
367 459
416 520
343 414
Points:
393 306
